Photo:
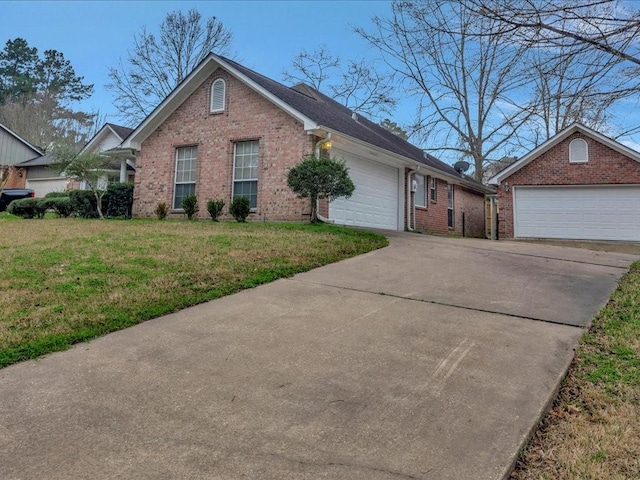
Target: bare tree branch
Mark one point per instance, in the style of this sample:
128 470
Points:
156 65
359 86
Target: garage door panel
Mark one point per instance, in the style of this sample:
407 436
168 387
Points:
42 187
589 213
374 202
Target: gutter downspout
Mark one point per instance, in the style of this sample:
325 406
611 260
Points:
317 153
408 209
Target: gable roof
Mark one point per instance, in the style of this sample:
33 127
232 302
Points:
555 140
312 108
118 131
326 112
36 150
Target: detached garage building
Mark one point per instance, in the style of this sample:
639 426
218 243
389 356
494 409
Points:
578 185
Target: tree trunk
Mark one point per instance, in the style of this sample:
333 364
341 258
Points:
99 205
314 209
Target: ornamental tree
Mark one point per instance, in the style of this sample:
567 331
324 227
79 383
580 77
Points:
317 178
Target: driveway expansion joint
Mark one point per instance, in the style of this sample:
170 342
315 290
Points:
443 304
533 255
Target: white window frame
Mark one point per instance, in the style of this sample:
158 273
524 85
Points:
213 108
433 189
421 188
243 180
573 158
175 175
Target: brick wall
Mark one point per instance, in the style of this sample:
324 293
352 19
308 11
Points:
248 116
605 166
434 217
472 205
17 178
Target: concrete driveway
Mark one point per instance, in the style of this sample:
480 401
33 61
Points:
430 359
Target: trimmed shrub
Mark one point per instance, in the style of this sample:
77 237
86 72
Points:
214 207
83 203
60 205
27 208
190 206
57 195
118 200
240 208
161 211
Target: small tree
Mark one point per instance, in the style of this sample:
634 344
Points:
317 178
87 168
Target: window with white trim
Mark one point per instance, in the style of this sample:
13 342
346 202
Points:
578 151
433 192
185 184
421 192
218 88
245 171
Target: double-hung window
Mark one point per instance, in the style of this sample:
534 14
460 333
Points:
433 192
185 175
450 216
421 193
245 171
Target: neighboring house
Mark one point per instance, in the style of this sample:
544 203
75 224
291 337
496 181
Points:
13 151
42 176
579 184
228 131
107 141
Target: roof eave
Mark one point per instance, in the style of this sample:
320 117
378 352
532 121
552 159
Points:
188 86
410 162
18 137
555 140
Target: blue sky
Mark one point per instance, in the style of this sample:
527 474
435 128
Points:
266 34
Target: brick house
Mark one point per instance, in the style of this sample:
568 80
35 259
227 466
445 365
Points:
579 184
227 131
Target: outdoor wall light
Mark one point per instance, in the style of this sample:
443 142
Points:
505 186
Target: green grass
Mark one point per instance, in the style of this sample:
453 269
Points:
593 429
65 281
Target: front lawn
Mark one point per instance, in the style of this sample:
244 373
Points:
593 430
64 281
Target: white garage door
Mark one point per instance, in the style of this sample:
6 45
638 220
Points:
42 187
588 213
374 202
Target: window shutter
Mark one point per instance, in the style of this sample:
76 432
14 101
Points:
217 95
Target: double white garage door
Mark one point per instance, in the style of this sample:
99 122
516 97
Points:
582 212
374 202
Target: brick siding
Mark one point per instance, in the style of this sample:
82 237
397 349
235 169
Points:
434 217
247 116
17 178
605 166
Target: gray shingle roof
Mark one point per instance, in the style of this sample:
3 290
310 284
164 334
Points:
331 114
122 132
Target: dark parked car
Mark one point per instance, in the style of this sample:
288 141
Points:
8 195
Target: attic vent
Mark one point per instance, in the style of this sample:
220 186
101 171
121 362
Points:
354 116
217 95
